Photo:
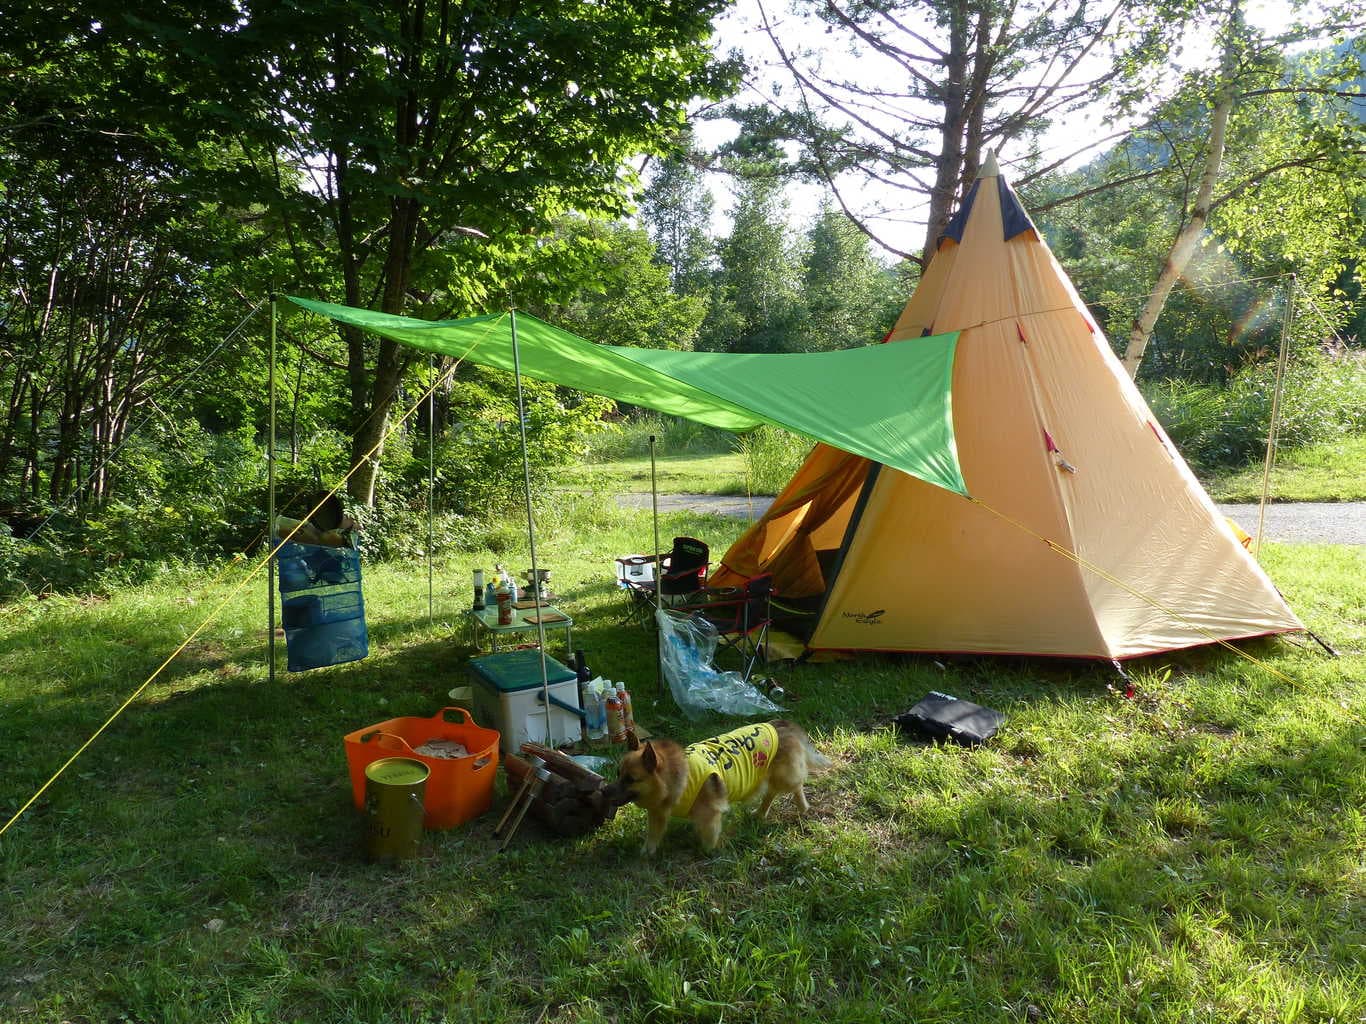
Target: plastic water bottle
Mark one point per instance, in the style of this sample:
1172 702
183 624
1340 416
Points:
597 711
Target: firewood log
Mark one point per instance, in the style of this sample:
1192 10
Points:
569 804
584 779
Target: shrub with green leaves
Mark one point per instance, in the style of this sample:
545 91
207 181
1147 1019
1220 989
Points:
630 438
1226 426
772 455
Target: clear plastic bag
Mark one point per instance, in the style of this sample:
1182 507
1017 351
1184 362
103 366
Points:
687 645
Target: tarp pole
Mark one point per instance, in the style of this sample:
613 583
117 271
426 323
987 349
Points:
531 529
270 497
431 475
659 573
1275 424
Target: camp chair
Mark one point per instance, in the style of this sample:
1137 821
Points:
636 577
742 616
682 571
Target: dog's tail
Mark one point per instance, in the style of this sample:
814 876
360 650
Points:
815 760
814 757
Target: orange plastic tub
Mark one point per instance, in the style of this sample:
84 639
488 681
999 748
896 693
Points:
458 789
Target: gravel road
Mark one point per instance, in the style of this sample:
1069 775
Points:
1300 522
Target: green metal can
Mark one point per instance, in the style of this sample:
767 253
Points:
394 790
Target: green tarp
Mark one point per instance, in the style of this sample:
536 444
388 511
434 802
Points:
888 403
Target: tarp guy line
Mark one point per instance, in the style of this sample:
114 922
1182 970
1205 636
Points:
209 619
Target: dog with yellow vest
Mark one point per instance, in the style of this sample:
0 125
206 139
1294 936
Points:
700 782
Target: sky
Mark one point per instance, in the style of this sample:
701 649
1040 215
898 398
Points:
739 29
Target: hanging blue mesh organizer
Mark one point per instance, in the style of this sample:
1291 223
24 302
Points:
321 605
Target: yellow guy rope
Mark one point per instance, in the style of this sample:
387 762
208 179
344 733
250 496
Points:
240 586
1150 601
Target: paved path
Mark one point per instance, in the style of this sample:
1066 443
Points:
1300 521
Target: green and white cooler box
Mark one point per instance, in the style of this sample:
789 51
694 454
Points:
508 697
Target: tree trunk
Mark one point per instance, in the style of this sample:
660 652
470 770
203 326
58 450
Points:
1179 256
949 165
367 444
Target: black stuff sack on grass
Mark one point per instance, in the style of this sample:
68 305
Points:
942 717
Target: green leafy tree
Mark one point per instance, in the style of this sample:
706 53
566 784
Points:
110 240
676 208
849 298
756 308
430 119
623 294
1268 143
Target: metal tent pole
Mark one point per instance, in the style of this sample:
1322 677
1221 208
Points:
531 528
431 474
270 499
659 574
1275 425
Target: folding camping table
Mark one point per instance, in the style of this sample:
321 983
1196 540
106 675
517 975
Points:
483 622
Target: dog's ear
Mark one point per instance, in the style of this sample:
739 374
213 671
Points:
632 743
648 760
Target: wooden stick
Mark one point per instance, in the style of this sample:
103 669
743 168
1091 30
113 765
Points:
536 763
563 764
537 782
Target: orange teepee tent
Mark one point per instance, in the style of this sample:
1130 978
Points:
1085 535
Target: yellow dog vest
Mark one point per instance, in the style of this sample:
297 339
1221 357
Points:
740 757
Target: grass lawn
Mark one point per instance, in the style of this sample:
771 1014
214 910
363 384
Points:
1332 471
1194 853
709 473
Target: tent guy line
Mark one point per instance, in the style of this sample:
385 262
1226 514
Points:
1149 599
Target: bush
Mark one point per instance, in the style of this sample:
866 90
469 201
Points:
772 456
630 438
478 463
1218 427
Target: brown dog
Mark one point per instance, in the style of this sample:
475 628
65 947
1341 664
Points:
701 781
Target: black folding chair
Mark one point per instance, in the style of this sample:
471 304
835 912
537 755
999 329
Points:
682 573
